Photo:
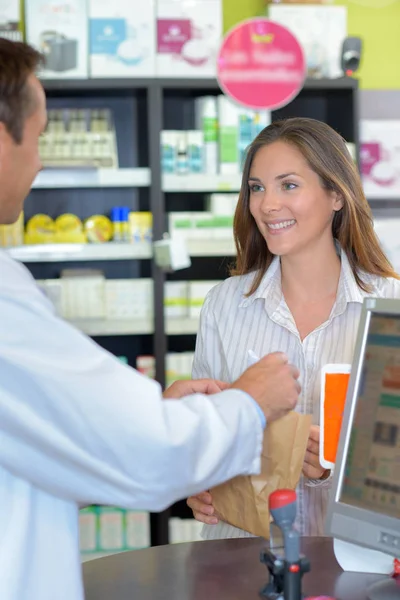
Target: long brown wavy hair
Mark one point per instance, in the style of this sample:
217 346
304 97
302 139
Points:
328 156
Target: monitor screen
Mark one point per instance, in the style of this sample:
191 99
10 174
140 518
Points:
372 469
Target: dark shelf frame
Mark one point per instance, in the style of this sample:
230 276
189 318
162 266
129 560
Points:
51 85
154 90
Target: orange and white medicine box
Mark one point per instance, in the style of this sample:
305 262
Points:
334 383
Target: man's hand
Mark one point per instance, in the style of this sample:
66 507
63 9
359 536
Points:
273 384
179 389
312 468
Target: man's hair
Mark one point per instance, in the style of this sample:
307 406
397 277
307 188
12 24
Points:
17 62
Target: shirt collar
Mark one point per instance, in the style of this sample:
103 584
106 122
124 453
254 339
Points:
270 286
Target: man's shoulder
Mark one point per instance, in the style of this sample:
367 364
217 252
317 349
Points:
13 275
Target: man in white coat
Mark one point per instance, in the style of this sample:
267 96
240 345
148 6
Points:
76 425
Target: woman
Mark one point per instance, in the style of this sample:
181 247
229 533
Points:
307 256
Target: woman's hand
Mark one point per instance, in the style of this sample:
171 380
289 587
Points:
312 468
202 508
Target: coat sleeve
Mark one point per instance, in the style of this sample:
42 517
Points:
78 424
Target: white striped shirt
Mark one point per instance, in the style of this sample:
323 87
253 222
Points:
231 324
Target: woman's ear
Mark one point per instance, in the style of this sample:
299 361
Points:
337 201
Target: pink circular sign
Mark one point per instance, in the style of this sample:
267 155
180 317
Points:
261 65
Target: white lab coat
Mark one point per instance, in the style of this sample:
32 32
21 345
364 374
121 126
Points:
79 427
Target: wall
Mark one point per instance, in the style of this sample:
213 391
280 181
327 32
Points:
378 27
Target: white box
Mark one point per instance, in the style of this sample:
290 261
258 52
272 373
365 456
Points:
222 228
222 204
169 148
380 158
122 38
137 529
60 31
195 151
320 30
11 20
54 291
198 291
228 115
172 368
84 297
202 225
189 33
129 299
387 231
206 120
88 529
176 299
180 224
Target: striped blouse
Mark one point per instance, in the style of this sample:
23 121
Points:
231 324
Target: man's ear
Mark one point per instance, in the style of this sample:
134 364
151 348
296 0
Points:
5 139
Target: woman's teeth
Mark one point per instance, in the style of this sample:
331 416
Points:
281 225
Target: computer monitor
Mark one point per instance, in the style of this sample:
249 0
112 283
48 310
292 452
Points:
364 507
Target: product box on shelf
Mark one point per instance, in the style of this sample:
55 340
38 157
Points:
189 33
380 158
178 366
228 115
198 291
60 32
122 39
86 294
320 30
184 530
206 120
176 299
83 294
146 364
182 152
200 225
387 230
12 235
222 205
11 22
238 127
129 299
105 530
53 290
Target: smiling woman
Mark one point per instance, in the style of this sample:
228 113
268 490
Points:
307 256
300 169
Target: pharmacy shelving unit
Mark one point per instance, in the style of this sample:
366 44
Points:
142 108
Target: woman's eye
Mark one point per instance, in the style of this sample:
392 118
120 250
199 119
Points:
287 185
255 187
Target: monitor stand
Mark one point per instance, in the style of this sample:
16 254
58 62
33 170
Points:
388 589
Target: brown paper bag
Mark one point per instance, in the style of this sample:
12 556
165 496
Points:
243 501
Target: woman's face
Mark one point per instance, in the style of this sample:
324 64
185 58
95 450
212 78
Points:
292 210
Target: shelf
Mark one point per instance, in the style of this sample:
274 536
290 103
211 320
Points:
184 326
202 247
324 83
209 83
101 84
344 83
110 327
80 252
201 182
49 253
91 178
